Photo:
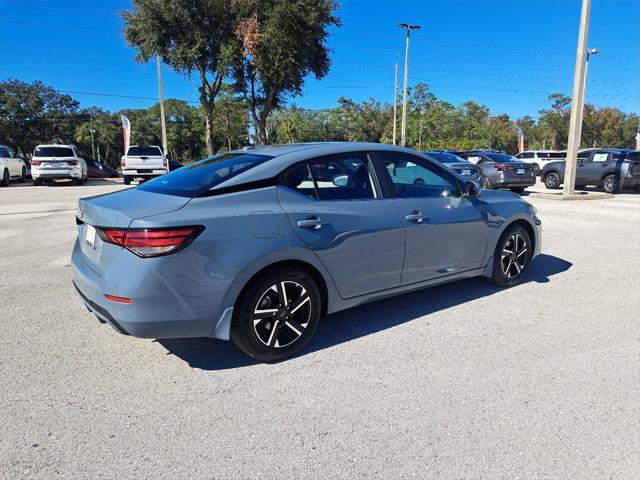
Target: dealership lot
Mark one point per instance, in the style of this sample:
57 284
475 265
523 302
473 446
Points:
460 381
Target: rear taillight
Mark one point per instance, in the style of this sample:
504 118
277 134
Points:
73 163
123 163
504 168
151 242
165 162
36 163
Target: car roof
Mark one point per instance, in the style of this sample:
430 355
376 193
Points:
56 145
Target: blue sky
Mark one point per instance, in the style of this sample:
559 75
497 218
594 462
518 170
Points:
507 54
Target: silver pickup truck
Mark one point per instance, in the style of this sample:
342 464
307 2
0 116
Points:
143 161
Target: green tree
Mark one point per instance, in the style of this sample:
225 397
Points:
35 113
554 122
105 135
194 37
280 43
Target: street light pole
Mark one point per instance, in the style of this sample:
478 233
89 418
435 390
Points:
395 106
577 103
93 148
162 118
403 137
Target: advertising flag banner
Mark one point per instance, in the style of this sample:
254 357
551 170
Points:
126 132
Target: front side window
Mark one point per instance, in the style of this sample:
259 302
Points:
415 177
446 157
199 177
342 177
600 157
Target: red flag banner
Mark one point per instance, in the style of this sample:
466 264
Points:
520 140
126 132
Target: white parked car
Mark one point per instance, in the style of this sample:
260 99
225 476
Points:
539 158
11 167
52 162
143 161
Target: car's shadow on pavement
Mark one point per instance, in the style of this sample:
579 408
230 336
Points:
212 354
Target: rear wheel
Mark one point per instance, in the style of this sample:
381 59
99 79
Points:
127 180
518 190
484 182
552 180
512 257
23 176
80 181
37 182
610 184
277 315
6 178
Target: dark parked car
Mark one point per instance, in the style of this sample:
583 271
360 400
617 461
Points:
609 168
97 169
501 170
174 165
461 166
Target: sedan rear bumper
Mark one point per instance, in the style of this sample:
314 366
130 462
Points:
142 172
58 173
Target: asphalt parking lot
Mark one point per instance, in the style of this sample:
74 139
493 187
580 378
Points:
462 381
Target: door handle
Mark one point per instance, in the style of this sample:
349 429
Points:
313 223
416 217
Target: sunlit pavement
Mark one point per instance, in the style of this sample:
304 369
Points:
460 381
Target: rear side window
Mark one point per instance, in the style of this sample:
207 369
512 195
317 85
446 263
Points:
144 152
446 157
197 178
4 153
633 156
53 152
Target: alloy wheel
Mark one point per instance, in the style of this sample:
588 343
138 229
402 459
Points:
282 314
514 255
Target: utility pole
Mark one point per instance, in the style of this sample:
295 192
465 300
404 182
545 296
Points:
162 118
93 148
403 138
577 103
395 106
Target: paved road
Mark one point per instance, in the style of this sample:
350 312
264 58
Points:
459 382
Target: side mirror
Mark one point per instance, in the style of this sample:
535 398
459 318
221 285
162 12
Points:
472 189
341 180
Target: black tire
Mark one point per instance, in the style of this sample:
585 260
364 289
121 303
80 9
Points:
611 184
552 181
6 178
484 182
518 190
23 176
127 180
292 325
80 181
510 268
636 189
37 182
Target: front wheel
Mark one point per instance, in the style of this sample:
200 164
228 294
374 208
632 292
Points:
610 184
552 181
512 257
80 181
127 180
277 315
6 178
23 176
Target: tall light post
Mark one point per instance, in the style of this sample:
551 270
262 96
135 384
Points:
163 123
577 103
395 106
403 137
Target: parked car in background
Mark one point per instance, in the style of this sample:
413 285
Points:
53 162
97 169
174 165
539 158
143 161
461 166
251 246
611 169
501 170
11 167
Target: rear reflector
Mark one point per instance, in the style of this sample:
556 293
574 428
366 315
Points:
151 242
113 298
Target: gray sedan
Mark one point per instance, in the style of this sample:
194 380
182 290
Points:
258 245
501 170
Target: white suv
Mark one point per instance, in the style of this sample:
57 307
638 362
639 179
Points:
539 158
11 167
143 162
51 162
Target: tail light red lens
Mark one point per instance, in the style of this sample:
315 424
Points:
151 242
504 168
36 163
73 163
123 163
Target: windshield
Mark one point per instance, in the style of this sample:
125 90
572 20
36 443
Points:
500 157
53 152
144 151
446 157
196 178
551 154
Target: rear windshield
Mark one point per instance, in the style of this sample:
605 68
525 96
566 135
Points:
53 152
500 157
195 179
446 157
144 151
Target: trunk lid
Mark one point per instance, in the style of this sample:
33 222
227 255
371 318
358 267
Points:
116 210
152 162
